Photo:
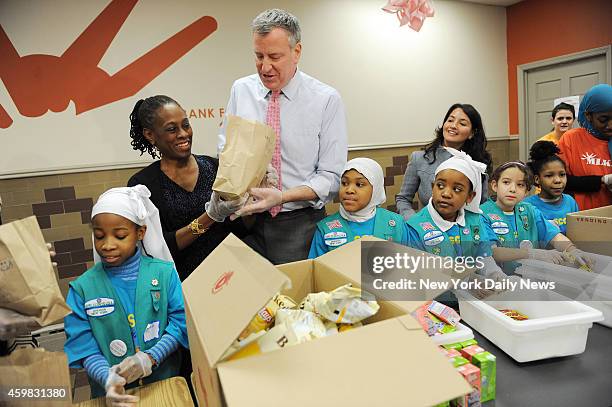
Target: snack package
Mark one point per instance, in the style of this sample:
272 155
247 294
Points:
343 305
444 313
514 314
265 317
331 328
348 327
457 346
298 326
458 361
486 362
449 353
472 375
470 351
571 259
469 342
424 318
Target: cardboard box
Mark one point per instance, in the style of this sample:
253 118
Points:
390 355
591 229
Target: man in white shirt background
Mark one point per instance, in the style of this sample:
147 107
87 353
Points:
309 119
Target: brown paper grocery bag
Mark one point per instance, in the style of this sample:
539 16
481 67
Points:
243 162
27 280
35 377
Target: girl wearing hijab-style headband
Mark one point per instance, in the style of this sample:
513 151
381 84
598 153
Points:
362 190
587 151
451 225
128 316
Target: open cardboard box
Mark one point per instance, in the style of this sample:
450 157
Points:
389 361
591 230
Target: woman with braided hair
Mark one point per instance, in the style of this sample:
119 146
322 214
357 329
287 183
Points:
192 215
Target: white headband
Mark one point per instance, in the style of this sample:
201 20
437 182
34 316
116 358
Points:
133 203
474 170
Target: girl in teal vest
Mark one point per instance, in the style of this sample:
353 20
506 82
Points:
522 231
361 191
451 225
128 318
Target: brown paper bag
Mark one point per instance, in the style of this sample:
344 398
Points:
27 280
242 163
35 377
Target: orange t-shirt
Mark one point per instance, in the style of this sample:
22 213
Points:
585 154
550 137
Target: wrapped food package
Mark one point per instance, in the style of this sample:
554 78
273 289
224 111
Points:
344 305
514 314
265 317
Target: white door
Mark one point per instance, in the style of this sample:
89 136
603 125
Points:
545 84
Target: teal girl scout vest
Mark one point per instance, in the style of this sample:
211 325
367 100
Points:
109 321
337 232
525 228
439 243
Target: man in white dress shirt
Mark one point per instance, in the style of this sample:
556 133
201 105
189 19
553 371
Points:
313 147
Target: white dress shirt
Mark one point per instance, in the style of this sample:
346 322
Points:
314 144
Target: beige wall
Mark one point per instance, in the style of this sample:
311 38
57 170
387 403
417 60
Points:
396 83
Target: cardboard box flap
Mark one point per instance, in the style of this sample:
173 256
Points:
383 364
224 293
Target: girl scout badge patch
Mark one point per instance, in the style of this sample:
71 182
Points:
99 307
433 238
500 228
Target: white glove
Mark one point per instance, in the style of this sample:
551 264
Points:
265 198
13 324
549 256
270 180
218 209
136 366
115 390
607 179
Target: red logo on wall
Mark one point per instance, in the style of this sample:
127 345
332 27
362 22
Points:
38 83
222 281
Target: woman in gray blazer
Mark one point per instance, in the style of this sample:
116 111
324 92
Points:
462 130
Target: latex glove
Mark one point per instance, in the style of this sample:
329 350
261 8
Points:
136 366
265 198
607 179
13 324
549 256
115 390
579 258
270 180
218 210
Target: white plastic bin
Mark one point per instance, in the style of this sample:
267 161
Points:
593 289
463 333
556 326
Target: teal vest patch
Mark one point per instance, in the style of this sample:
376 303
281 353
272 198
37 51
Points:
337 232
109 321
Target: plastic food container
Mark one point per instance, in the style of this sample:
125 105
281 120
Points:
463 333
556 326
593 289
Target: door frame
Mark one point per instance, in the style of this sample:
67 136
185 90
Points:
524 69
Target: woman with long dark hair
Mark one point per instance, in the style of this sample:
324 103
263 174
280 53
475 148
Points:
461 129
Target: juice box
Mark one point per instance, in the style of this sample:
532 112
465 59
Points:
458 361
456 346
469 342
486 362
450 353
472 375
470 351
446 314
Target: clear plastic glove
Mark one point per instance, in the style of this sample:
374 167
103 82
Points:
549 256
13 324
270 180
136 366
579 258
115 390
265 198
218 210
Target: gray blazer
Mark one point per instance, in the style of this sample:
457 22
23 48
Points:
419 177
